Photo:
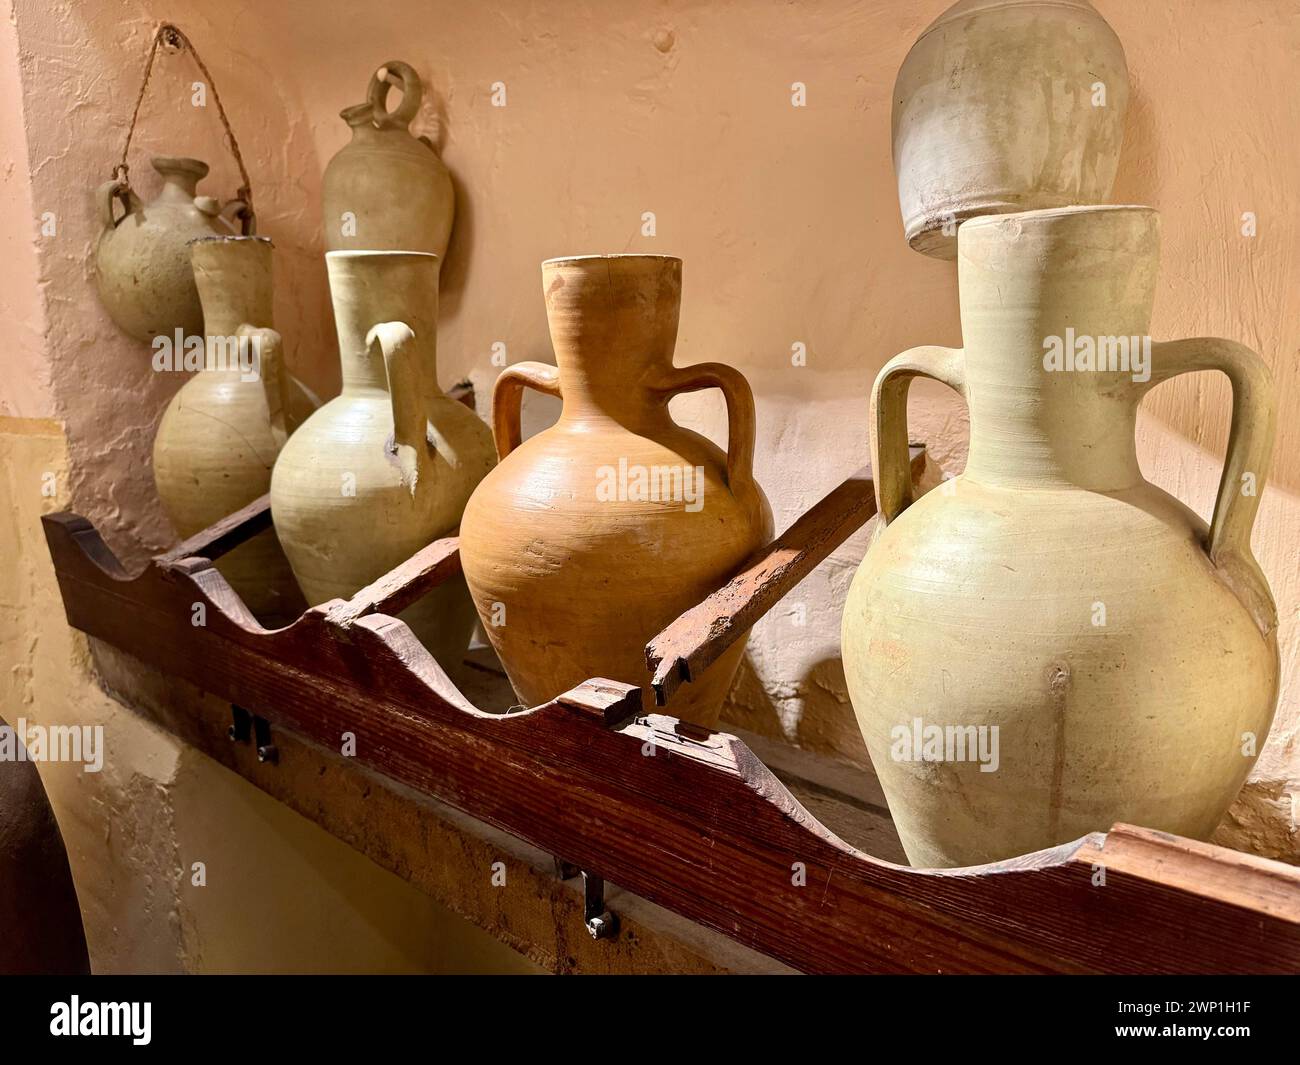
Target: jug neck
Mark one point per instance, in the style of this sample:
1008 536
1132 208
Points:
360 119
369 288
1056 319
613 323
181 178
233 276
1041 426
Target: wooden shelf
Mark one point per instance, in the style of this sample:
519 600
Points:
692 821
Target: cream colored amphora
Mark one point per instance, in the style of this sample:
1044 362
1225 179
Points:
1049 644
385 468
220 434
594 534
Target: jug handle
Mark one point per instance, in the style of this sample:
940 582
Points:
1246 465
106 194
395 72
242 211
507 399
889 438
406 392
270 356
741 420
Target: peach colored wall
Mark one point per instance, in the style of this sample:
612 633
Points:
1212 135
25 388
786 217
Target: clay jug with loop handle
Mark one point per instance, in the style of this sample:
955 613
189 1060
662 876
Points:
1049 644
142 260
386 189
594 534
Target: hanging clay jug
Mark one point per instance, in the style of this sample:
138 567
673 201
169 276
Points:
221 432
1006 105
385 468
386 189
594 534
1049 644
143 262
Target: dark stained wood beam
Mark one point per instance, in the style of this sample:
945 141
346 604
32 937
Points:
687 819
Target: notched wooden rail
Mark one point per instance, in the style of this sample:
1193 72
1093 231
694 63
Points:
688 819
695 640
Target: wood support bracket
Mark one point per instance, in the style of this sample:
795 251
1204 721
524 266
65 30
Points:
695 640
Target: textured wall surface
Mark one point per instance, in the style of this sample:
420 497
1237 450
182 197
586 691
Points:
786 217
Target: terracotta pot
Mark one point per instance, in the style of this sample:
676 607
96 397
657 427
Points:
385 468
142 262
1126 654
40 920
385 189
595 533
997 109
221 432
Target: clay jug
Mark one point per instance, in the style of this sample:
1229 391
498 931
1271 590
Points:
386 189
142 260
221 432
385 468
594 534
1006 105
1087 649
39 912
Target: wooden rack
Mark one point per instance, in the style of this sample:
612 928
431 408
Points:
687 819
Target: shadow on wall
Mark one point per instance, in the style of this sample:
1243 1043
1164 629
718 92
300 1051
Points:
1198 408
825 722
454 278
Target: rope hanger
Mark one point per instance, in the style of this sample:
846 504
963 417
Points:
174 38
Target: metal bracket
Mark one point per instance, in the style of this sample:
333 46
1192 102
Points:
245 726
266 750
241 725
599 921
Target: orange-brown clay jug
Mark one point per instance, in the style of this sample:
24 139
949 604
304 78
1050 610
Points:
593 535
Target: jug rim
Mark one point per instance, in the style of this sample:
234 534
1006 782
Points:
180 164
966 8
649 256
1046 213
378 253
229 238
364 112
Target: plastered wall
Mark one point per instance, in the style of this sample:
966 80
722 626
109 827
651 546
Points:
786 218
